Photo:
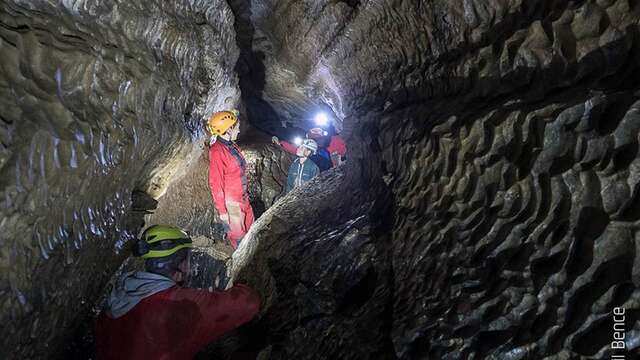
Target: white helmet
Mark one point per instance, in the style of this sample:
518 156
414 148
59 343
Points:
310 144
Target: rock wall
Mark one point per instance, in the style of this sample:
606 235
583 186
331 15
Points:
507 132
487 208
96 99
267 170
516 231
187 202
318 259
516 223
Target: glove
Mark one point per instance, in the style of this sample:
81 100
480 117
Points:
275 140
221 227
225 221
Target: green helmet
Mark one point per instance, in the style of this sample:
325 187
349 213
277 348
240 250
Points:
160 241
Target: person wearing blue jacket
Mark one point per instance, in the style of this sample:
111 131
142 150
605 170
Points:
302 169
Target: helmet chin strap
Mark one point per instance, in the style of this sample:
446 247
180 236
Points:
183 278
226 136
184 275
213 139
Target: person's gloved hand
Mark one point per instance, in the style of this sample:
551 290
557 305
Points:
225 221
275 140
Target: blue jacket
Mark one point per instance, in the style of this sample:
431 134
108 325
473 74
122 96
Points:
322 159
301 173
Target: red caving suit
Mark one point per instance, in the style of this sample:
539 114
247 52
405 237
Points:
228 183
174 324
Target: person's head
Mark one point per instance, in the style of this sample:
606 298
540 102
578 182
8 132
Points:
166 251
316 133
319 135
307 148
224 124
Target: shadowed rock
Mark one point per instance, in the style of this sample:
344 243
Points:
488 207
96 100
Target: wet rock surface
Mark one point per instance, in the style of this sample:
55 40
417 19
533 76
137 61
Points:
507 133
488 208
187 202
529 233
267 169
96 100
324 271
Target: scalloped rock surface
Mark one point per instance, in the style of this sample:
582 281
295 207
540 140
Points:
488 207
97 99
507 132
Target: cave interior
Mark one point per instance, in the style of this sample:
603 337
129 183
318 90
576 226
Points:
488 206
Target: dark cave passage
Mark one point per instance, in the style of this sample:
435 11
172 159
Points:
486 207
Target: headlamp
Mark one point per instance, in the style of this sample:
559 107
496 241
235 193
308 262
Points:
321 119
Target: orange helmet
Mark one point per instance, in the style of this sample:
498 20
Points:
221 121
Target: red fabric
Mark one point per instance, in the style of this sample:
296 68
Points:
337 146
174 324
288 147
238 226
227 181
225 176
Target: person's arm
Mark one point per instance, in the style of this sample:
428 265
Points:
341 147
216 181
220 311
288 147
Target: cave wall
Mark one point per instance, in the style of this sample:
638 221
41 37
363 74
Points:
516 231
507 132
187 202
97 99
516 219
283 47
319 260
487 207
267 170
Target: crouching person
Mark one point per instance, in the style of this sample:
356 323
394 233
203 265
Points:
149 315
302 169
